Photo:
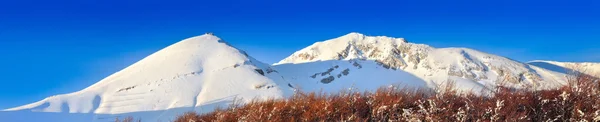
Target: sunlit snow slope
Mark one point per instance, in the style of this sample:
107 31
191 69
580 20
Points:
192 73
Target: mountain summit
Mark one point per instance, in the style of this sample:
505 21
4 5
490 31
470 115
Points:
350 46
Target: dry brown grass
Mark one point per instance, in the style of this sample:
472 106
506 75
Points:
577 101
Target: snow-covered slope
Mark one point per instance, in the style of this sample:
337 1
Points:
569 67
192 73
334 75
468 69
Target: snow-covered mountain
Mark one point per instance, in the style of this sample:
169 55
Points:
470 70
197 73
203 72
569 67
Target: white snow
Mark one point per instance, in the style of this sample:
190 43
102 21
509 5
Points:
203 72
190 74
569 67
469 69
358 74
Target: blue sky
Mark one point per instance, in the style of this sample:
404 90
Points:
61 46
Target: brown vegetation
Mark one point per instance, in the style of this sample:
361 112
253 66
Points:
577 101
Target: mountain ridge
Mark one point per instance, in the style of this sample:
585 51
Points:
203 72
462 65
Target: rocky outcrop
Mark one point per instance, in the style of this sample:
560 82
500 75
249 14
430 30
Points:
327 80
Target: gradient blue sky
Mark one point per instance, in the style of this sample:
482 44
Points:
59 46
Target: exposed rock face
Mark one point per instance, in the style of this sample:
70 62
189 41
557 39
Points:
306 56
355 64
346 72
260 71
270 70
327 80
327 72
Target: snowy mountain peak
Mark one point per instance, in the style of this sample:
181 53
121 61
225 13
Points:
195 72
350 46
354 35
201 39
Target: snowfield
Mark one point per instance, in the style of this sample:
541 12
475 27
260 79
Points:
334 75
204 72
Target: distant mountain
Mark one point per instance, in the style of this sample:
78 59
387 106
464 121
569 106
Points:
203 72
569 67
470 69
